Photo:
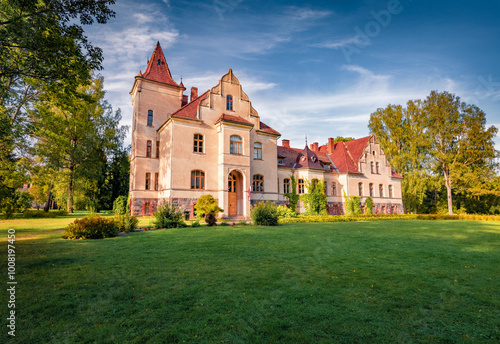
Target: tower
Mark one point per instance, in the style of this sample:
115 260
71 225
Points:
155 95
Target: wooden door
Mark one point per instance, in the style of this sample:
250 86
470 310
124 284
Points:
232 199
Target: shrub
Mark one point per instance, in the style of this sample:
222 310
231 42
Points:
168 216
17 201
91 228
126 223
210 219
285 212
196 224
206 204
369 206
264 214
242 223
120 205
40 214
224 224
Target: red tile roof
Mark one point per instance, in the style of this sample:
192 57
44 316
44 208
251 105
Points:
158 72
289 156
396 175
232 118
342 159
357 147
267 129
307 159
190 109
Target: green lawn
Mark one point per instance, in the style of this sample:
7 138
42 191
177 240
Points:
356 282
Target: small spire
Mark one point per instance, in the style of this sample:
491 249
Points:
306 140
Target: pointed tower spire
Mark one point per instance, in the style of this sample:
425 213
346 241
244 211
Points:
157 68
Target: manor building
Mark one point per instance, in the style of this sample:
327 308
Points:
215 143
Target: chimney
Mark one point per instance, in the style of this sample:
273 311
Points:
314 146
194 93
329 147
285 143
184 99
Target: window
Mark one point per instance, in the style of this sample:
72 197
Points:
301 186
381 190
229 103
360 189
334 189
235 146
377 166
286 185
148 178
390 191
157 149
258 183
148 149
150 118
257 150
371 166
197 179
314 183
146 208
281 161
371 189
159 62
156 181
198 143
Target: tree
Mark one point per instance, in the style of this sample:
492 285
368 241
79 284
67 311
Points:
42 48
74 134
292 196
461 146
403 137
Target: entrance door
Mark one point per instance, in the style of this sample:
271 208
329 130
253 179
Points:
232 199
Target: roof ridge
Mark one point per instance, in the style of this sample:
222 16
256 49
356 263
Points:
190 103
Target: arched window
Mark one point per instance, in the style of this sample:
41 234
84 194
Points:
301 186
257 150
229 103
377 168
371 189
360 189
390 191
258 183
148 149
235 145
334 189
371 167
148 180
381 190
286 185
197 179
150 118
198 143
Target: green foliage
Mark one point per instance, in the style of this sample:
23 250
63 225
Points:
285 212
17 202
369 205
352 204
91 228
206 204
196 224
315 198
120 205
168 216
292 196
224 224
211 219
126 223
343 139
264 214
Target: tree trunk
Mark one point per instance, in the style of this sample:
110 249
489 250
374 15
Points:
69 204
46 207
447 180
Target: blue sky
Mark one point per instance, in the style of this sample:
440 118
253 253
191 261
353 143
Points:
311 67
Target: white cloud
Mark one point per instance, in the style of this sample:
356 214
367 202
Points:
338 44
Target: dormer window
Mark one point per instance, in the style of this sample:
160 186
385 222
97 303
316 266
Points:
314 159
159 62
281 161
229 103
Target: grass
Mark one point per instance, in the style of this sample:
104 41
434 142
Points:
379 282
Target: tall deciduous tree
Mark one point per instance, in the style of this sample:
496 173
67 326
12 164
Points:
461 146
402 135
74 133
